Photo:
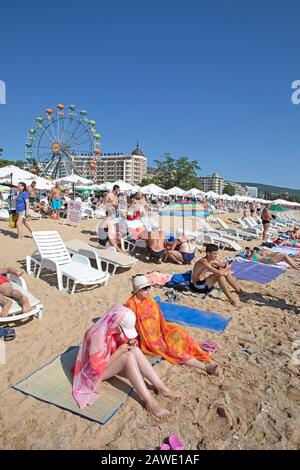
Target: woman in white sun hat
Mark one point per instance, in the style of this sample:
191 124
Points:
110 348
165 339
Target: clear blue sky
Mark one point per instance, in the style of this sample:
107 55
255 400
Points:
210 79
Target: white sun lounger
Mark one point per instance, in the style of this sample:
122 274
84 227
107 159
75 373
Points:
216 239
4 214
53 255
15 312
234 231
108 257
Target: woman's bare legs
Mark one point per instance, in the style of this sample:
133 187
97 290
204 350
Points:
175 257
278 257
149 372
26 223
19 226
211 367
128 366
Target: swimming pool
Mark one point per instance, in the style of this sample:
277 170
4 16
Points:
185 213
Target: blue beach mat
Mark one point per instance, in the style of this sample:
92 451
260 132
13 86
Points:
52 383
192 317
257 272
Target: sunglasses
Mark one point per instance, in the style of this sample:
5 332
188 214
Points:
146 288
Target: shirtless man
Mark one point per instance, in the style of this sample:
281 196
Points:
156 246
266 218
221 274
111 199
31 189
7 292
55 198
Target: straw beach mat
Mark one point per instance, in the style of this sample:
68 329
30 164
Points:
52 383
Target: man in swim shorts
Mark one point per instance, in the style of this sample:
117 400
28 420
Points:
220 273
55 198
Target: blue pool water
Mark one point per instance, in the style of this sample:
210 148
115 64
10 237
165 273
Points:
187 213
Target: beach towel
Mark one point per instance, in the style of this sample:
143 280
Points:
158 278
209 321
255 271
183 279
163 338
52 383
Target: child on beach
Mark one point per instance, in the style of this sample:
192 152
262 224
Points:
7 292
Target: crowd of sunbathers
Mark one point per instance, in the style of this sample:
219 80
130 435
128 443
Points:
118 342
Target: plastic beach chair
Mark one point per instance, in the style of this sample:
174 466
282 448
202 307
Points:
53 255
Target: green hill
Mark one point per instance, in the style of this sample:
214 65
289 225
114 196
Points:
271 190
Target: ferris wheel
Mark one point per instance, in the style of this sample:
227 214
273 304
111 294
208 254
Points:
59 135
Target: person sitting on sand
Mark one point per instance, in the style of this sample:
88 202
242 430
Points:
269 257
163 338
109 348
7 292
156 246
182 251
220 273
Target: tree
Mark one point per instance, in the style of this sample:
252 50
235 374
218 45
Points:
181 172
229 189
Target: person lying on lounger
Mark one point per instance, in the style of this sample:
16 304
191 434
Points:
163 338
220 273
110 348
7 292
182 251
269 257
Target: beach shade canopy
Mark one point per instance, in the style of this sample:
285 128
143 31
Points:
212 195
194 192
16 175
74 179
126 187
283 202
175 191
153 190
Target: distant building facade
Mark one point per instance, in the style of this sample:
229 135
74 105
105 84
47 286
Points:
238 188
111 167
252 191
215 183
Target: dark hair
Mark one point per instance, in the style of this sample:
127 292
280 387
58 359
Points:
24 186
211 247
116 187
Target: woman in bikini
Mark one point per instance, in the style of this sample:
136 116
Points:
182 251
268 257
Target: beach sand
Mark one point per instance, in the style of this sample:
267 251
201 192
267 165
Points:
254 404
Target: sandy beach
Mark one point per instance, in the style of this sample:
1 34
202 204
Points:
254 404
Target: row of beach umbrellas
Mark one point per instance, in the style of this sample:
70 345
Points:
14 175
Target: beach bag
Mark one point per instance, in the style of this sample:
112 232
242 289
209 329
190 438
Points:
12 220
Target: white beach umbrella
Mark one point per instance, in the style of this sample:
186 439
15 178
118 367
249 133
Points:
16 174
74 179
153 190
194 192
175 191
126 187
212 195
